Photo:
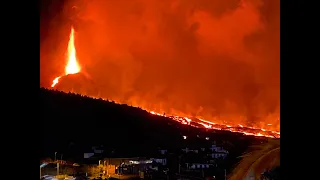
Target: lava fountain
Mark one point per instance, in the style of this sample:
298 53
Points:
72 66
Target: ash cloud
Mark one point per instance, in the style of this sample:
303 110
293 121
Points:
209 58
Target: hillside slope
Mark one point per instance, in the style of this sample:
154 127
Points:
68 117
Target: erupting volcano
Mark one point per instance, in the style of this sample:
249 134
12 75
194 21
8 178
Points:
210 64
74 81
72 66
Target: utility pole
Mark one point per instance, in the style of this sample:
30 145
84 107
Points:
225 174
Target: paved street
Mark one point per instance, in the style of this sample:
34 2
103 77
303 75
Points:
118 177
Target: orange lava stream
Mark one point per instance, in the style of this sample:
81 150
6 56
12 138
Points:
201 123
210 125
72 66
55 81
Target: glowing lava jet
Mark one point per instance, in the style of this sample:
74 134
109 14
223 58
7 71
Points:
72 66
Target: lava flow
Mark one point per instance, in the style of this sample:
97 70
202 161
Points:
201 123
72 66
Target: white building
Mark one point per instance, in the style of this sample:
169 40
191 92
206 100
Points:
162 161
198 165
218 152
187 150
97 150
94 151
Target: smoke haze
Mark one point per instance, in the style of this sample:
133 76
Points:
215 59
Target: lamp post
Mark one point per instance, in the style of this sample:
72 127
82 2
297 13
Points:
55 156
58 169
41 166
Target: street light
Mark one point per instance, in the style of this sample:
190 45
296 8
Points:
41 166
55 156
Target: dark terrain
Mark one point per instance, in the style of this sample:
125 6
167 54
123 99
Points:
72 123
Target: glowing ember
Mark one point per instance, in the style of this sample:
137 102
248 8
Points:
72 66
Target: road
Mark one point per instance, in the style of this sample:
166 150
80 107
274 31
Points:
118 177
